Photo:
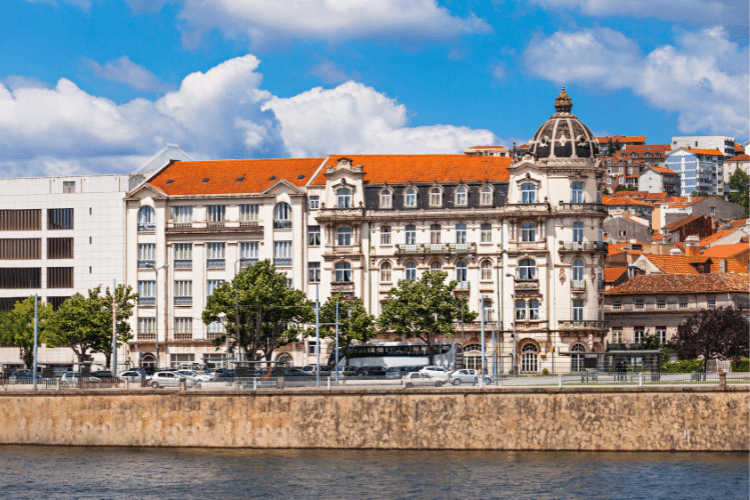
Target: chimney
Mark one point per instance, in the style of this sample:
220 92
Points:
692 246
675 251
690 198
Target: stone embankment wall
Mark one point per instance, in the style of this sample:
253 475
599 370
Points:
697 420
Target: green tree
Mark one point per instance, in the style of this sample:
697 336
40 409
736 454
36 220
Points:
739 189
354 322
713 333
700 193
269 311
17 327
425 309
85 323
610 148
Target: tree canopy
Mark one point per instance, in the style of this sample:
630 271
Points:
85 323
425 309
739 189
713 333
354 322
17 327
269 311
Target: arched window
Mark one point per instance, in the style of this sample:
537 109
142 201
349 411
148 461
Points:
520 309
577 269
576 360
343 198
527 269
528 193
411 270
486 268
462 198
148 361
386 198
343 272
282 215
529 353
435 266
528 231
410 198
385 272
436 197
485 196
344 236
147 219
411 235
461 271
578 231
533 309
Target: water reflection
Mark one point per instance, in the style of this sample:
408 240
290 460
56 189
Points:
113 473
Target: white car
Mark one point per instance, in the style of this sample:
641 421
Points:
170 379
436 372
415 379
72 378
468 376
202 377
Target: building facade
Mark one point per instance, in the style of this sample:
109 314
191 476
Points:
726 145
699 169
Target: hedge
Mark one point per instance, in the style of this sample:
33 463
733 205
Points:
685 366
743 365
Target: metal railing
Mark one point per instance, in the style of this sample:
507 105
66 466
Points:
146 301
567 324
183 301
146 264
215 263
583 246
582 207
282 223
282 262
183 264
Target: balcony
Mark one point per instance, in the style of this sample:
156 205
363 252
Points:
527 284
213 336
146 301
527 246
183 264
183 301
146 336
567 324
578 285
434 248
249 224
596 208
583 246
215 225
146 264
146 226
463 286
408 249
183 336
282 224
245 263
182 225
215 263
344 287
461 248
527 208
207 227
282 261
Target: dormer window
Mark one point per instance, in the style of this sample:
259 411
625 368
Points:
485 196
386 198
343 198
528 193
462 196
436 197
410 198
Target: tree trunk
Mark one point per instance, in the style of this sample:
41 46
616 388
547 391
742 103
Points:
431 349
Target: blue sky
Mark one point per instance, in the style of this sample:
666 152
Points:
98 86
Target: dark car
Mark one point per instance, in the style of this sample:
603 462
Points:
103 374
372 371
226 375
296 372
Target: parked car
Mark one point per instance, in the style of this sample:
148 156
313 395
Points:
198 376
74 378
26 377
102 374
415 379
398 372
468 376
170 379
325 371
436 372
372 371
296 372
132 375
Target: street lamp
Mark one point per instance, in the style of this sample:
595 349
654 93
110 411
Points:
513 335
156 309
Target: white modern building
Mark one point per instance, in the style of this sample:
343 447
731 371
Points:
699 169
720 142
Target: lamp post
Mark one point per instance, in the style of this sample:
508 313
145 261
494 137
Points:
513 335
156 308
484 356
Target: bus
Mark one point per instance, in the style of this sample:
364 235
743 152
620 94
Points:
448 355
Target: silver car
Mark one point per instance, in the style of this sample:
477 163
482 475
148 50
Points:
73 378
421 379
170 379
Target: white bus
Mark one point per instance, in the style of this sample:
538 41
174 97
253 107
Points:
448 355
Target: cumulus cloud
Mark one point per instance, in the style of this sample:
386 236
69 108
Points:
123 70
353 118
685 11
333 20
703 77
330 73
222 113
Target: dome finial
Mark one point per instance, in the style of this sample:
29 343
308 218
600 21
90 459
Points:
563 104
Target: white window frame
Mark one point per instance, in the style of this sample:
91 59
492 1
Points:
436 197
485 196
385 235
410 197
461 197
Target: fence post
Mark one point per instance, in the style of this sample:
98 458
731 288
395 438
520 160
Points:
559 381
640 379
183 384
329 383
722 380
127 383
255 383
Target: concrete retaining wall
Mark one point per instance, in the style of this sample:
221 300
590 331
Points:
696 420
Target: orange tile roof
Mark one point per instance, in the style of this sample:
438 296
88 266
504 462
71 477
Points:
663 170
742 157
672 264
727 251
739 148
717 236
624 200
739 222
400 169
622 138
682 222
614 273
631 194
733 266
187 177
614 248
657 284
708 152
655 196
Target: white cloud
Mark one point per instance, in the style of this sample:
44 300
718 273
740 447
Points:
686 11
356 119
125 71
331 74
333 20
222 113
703 77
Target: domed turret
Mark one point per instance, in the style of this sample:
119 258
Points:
563 135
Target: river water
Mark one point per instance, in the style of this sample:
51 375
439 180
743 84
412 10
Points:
34 472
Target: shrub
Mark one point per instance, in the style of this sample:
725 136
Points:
545 372
743 365
685 366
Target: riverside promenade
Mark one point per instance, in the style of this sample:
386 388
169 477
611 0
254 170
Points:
659 418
